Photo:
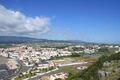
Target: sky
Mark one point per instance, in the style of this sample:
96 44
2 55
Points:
85 20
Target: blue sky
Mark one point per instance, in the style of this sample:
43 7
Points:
86 20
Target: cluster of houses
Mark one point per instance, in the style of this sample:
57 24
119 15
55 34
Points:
29 55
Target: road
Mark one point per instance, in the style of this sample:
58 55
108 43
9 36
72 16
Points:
38 77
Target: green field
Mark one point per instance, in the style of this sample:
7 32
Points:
6 46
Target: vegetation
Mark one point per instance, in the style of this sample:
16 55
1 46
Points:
68 69
58 79
91 72
73 55
77 49
32 73
104 50
21 76
54 46
5 45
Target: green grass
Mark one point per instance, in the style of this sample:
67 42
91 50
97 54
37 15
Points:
69 69
5 45
18 78
84 59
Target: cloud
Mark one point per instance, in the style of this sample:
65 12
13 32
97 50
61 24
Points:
14 22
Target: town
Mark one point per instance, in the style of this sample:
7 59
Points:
26 62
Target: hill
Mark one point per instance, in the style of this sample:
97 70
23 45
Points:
18 40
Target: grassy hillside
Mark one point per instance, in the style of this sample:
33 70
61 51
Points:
91 73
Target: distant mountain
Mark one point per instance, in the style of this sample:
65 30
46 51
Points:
18 40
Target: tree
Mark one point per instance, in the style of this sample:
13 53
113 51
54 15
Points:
58 79
118 79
